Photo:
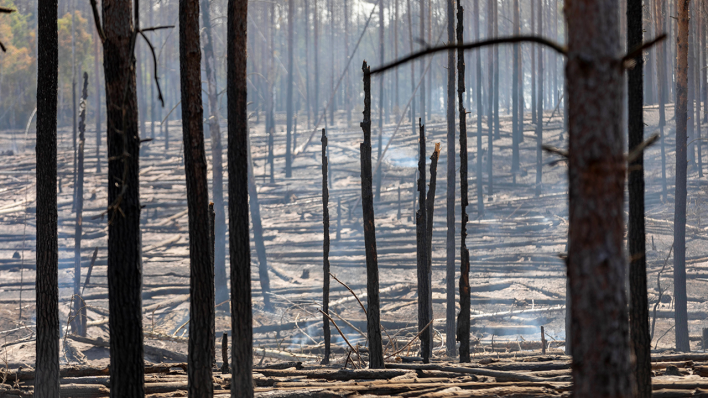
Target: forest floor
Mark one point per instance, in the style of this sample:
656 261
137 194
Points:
517 275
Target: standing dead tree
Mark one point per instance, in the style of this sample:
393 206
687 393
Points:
422 254
373 326
78 325
201 270
46 380
463 319
289 99
325 251
450 237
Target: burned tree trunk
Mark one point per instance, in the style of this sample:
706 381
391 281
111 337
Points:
638 304
98 100
239 248
681 317
379 173
661 65
124 254
201 270
373 326
490 99
217 172
450 242
463 319
480 111
289 99
516 112
422 255
46 381
599 325
78 325
430 209
539 107
325 251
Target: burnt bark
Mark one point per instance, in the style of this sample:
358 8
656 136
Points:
201 270
422 254
217 170
463 319
596 268
373 326
638 304
124 254
46 381
78 324
239 248
681 317
325 251
450 242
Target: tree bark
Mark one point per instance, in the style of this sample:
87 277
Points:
422 255
239 247
201 270
373 327
450 242
325 251
289 99
596 267
638 304
217 171
78 325
46 381
681 317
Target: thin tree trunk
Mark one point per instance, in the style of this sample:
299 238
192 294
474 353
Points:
307 64
217 172
490 99
373 326
348 83
201 270
289 99
515 111
681 317
317 63
596 266
539 107
638 304
124 252
698 71
480 112
78 325
533 65
46 380
450 239
410 42
379 174
325 251
661 65
495 102
239 247
421 62
396 103
152 86
463 319
422 255
97 84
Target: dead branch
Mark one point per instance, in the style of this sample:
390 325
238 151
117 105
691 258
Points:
340 331
350 291
413 339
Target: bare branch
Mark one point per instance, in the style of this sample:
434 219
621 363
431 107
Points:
97 21
154 28
636 52
154 59
5 10
470 46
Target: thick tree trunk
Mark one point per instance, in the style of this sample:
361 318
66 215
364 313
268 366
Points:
289 99
46 381
463 319
373 326
681 318
325 251
638 304
78 325
124 254
201 270
596 267
450 238
217 171
239 247
422 255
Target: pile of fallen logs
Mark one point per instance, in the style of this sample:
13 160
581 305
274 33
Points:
528 374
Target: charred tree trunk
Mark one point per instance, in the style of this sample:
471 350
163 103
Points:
480 112
596 267
97 84
308 100
289 99
78 325
373 323
495 102
539 107
410 42
348 81
697 90
46 381
421 63
515 94
379 174
681 317
450 242
325 251
316 107
490 99
201 270
217 171
463 319
422 255
124 254
638 304
663 94
239 248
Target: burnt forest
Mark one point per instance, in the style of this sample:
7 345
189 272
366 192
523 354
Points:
353 198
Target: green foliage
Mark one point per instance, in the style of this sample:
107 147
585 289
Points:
17 68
